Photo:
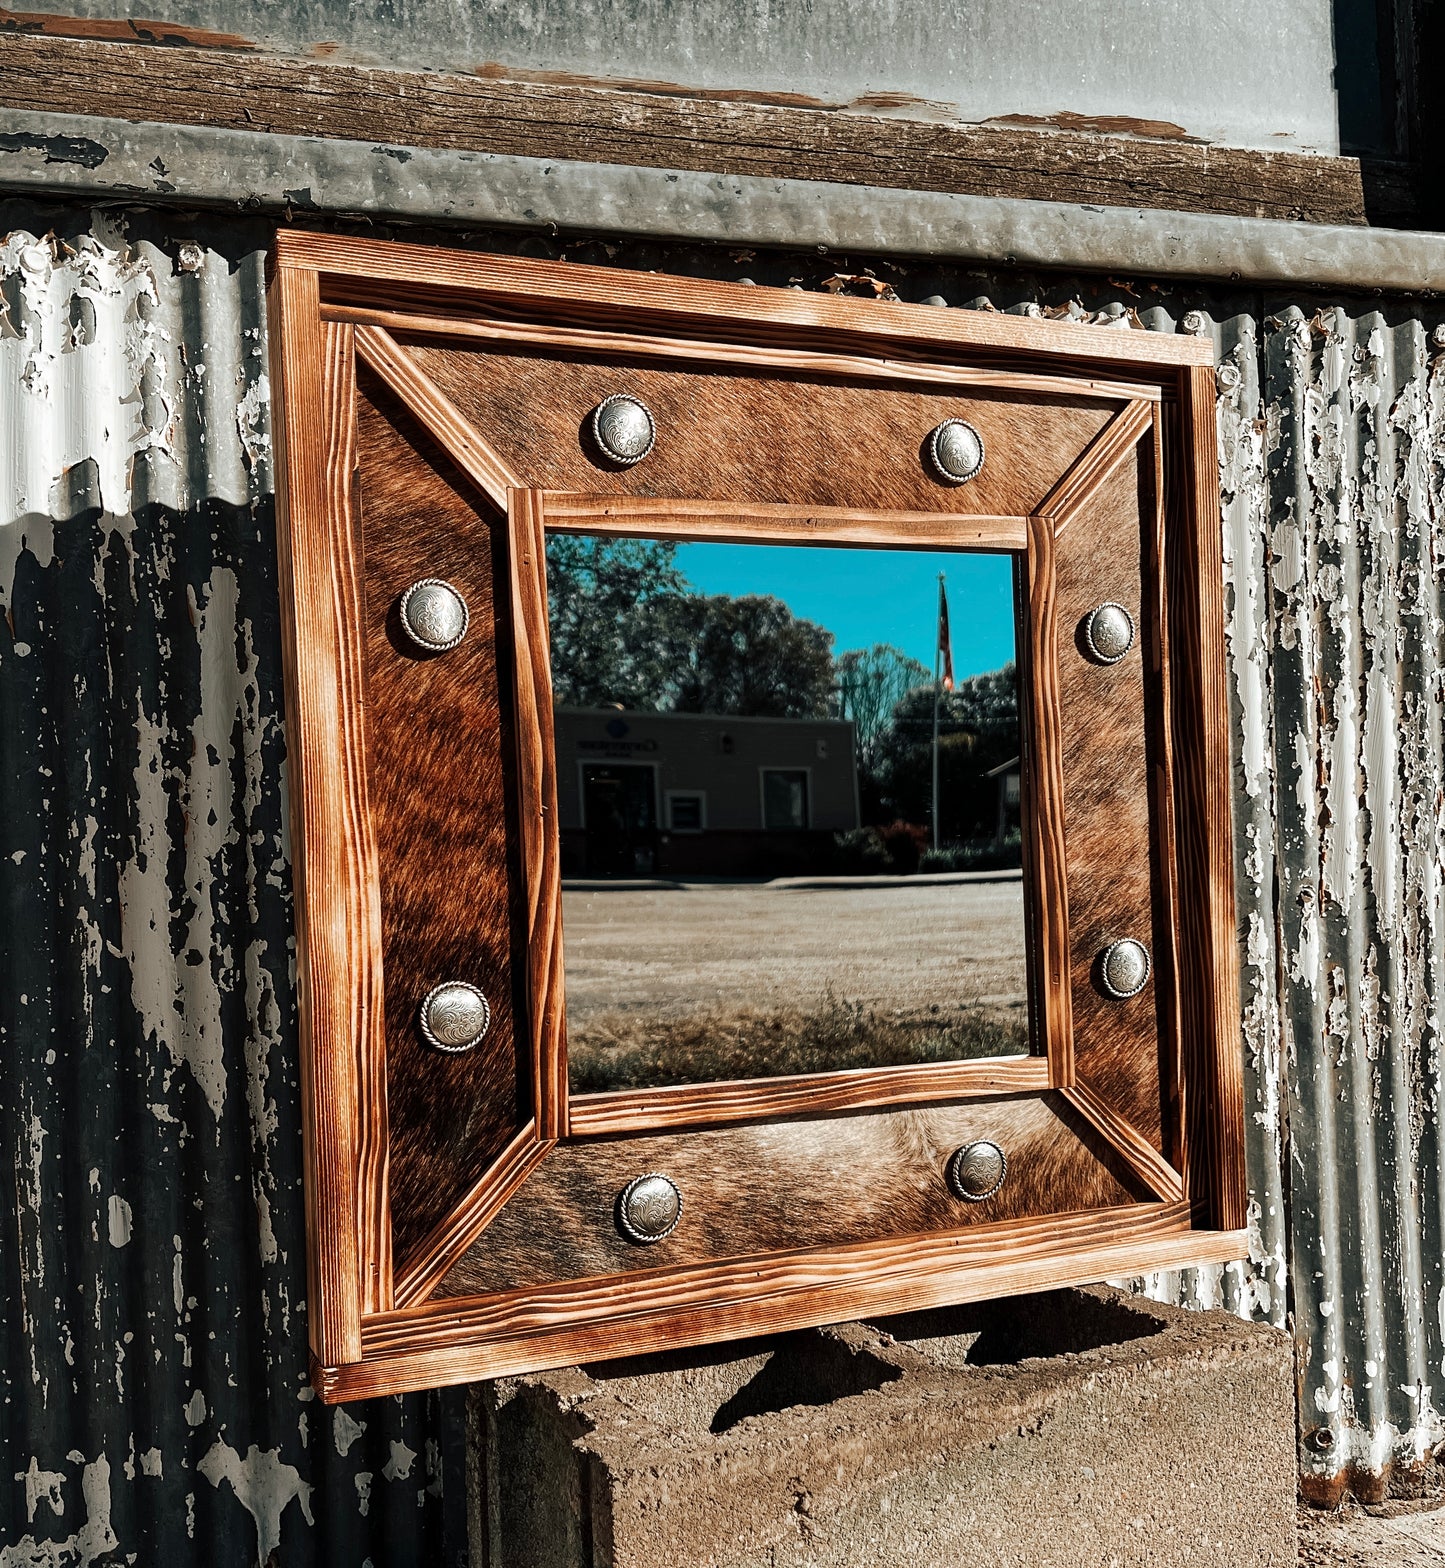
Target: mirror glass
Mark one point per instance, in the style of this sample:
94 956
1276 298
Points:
788 791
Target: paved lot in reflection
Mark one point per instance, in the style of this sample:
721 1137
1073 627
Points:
677 951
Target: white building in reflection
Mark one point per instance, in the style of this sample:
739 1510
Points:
644 794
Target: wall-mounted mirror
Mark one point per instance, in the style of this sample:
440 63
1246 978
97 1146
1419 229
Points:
655 815
788 788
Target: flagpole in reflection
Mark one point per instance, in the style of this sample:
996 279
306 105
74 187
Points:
942 681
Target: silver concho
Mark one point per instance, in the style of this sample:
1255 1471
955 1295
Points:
977 1170
955 449
434 615
454 1017
1124 968
623 429
649 1209
1108 632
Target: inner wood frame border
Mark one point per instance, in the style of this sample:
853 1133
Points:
325 299
535 513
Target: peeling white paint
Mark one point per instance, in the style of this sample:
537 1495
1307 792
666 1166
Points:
41 1484
264 1486
118 1220
344 1430
103 410
93 1541
398 1467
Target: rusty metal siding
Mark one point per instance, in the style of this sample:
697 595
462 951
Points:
152 1396
1332 462
153 1402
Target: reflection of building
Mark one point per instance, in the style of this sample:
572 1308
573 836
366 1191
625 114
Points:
1006 775
652 793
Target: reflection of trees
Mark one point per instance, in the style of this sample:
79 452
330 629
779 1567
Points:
609 604
750 655
978 729
871 682
626 628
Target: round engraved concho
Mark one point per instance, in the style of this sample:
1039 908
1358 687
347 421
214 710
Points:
1108 633
623 429
955 450
454 1017
1124 968
977 1170
649 1209
434 615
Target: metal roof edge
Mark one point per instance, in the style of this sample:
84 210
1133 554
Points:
96 159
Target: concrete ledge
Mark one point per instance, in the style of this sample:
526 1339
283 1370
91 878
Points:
1073 1429
94 158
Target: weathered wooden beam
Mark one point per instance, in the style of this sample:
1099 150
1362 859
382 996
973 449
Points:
236 88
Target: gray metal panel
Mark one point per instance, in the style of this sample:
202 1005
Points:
1217 70
151 1278
94 159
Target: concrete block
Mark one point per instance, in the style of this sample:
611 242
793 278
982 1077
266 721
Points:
1079 1428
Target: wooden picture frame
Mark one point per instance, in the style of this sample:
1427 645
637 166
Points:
427 404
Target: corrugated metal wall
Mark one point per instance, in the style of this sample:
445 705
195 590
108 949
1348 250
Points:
152 1397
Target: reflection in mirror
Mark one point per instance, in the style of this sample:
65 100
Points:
788 791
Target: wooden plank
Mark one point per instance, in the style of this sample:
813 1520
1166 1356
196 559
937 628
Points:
816 1094
1160 706
719 351
1103 455
460 1341
762 522
373 1132
537 787
1209 962
1043 806
437 1252
1131 1146
437 412
383 272
338 912
658 126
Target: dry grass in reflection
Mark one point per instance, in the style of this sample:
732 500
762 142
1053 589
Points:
615 1050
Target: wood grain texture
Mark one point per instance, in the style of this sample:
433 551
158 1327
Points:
462 444
373 1219
766 1186
1114 443
1160 702
818 1094
335 881
660 127
720 351
1042 802
1158 1176
453 1342
742 436
1110 835
442 791
436 1252
537 780
386 274
761 522
1208 943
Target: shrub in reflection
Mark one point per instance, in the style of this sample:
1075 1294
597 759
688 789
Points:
626 1051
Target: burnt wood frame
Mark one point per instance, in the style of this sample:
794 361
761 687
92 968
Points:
376 1327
